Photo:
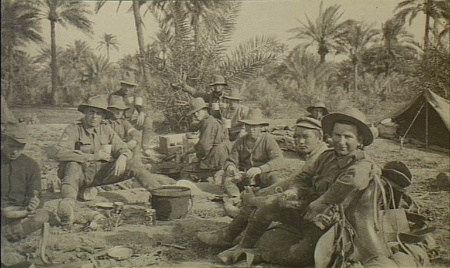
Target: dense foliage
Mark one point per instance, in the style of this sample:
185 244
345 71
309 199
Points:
192 44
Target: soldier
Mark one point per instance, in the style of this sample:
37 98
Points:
213 146
234 111
21 190
92 154
309 145
135 114
334 179
214 98
257 153
317 110
120 125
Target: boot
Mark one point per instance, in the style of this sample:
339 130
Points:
65 211
219 238
88 194
234 254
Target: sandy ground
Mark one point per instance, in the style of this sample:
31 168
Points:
173 243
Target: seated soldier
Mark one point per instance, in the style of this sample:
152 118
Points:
317 110
334 179
309 145
92 154
234 112
212 148
136 114
120 125
257 154
21 189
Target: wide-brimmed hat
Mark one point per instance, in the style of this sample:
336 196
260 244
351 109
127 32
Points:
128 78
255 118
16 131
398 173
233 94
196 105
318 104
309 122
218 80
99 102
351 115
117 102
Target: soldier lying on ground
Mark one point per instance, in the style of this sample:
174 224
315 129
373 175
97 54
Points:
257 154
333 179
92 154
21 190
309 145
213 147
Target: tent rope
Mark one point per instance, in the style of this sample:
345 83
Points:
412 123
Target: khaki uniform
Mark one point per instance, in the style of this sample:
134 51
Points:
75 148
212 149
330 180
265 154
20 179
131 115
235 115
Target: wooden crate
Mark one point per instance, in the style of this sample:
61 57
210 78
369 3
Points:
169 144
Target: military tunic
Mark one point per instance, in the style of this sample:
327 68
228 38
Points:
235 115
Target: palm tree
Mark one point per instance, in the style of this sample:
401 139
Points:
355 40
64 12
413 7
324 32
135 7
108 41
19 25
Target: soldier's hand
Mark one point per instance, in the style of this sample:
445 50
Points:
140 119
231 171
290 194
34 202
121 165
251 173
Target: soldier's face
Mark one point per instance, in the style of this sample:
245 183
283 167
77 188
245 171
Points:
233 104
127 89
317 113
218 88
94 116
117 113
11 149
345 139
253 131
306 140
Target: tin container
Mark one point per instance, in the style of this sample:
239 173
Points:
150 216
215 106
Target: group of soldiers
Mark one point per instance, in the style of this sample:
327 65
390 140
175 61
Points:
105 147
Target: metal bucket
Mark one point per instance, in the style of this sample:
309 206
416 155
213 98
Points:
171 202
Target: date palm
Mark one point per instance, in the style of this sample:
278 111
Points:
108 41
19 25
65 13
324 32
355 40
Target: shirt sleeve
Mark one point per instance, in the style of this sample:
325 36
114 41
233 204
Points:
355 178
206 141
302 181
33 180
233 159
66 147
275 156
118 146
130 132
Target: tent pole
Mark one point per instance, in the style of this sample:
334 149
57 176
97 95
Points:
426 125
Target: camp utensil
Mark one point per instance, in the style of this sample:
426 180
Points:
120 253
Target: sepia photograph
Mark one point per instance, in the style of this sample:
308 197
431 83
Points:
225 133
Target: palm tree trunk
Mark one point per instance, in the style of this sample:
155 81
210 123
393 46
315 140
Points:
140 36
356 77
11 66
427 25
107 51
53 63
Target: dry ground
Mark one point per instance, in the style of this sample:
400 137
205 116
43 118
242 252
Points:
153 244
